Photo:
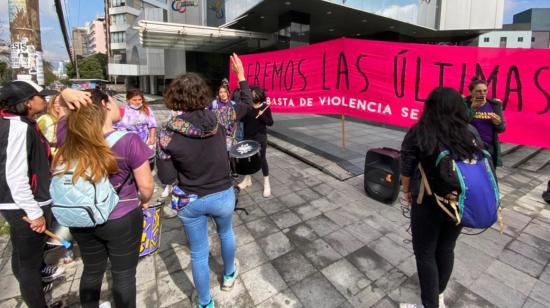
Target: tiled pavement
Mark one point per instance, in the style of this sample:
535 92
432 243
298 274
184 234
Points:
320 242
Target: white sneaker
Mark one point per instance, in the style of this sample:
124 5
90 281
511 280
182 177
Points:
441 300
105 305
166 192
267 187
407 305
247 181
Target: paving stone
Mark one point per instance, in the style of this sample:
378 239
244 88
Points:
301 234
147 294
406 292
174 288
280 300
145 270
490 242
531 303
545 276
170 261
514 222
389 250
242 236
369 262
9 287
238 296
408 266
292 200
250 256
385 302
363 232
308 194
254 213
343 242
391 280
285 219
316 291
347 279
306 211
341 217
367 297
497 293
521 263
538 229
322 189
322 225
272 206
275 245
472 300
540 293
173 239
320 253
534 241
512 277
324 205
530 252
293 267
263 282
261 227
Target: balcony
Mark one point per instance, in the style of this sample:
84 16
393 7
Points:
118 46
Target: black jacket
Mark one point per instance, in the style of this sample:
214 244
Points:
24 166
194 144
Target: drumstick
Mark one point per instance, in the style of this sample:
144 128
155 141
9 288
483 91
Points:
262 111
65 243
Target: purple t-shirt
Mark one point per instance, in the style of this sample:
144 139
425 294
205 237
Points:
483 123
132 153
137 122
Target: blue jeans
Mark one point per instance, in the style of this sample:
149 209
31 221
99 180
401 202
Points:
194 217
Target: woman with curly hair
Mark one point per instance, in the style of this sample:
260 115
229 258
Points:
194 143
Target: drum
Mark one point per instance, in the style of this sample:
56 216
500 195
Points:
245 157
150 238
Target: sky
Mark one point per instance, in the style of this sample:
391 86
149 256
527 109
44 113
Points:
81 11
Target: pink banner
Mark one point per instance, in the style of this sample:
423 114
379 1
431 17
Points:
388 82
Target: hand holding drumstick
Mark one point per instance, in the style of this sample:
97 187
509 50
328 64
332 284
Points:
262 111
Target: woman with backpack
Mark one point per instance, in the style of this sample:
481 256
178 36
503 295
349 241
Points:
486 116
443 125
194 142
126 164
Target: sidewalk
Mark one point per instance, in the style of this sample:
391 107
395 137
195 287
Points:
320 242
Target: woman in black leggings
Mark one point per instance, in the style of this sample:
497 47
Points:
126 163
443 125
255 122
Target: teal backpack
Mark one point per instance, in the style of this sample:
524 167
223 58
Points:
83 204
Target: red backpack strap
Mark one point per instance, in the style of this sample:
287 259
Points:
122 110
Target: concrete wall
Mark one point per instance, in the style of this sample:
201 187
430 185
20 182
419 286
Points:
511 39
471 14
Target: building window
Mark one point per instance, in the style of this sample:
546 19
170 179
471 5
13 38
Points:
118 19
486 40
118 37
503 39
532 39
520 39
116 3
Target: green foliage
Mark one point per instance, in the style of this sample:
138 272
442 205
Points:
5 72
91 67
49 76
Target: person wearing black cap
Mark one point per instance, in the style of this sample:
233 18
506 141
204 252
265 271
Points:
25 180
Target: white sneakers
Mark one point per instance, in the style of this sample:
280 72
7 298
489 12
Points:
267 187
166 192
247 181
441 303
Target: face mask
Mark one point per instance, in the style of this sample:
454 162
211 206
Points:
135 107
256 99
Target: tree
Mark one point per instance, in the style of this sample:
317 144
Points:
91 67
49 76
5 72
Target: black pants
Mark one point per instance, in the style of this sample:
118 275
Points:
434 237
27 255
493 151
265 167
117 240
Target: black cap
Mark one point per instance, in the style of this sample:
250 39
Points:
19 91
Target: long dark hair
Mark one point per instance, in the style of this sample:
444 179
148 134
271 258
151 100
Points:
444 122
